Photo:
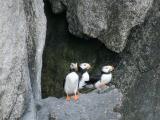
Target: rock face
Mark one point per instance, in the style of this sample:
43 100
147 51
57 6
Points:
108 20
128 26
22 33
139 71
92 106
131 26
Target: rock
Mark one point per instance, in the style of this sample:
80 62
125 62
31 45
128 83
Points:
105 89
128 26
138 72
137 28
91 106
133 25
108 20
22 34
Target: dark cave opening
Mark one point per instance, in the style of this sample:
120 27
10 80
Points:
62 48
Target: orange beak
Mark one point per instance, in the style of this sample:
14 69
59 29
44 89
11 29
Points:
112 68
89 66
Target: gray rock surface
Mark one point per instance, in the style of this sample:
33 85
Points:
138 73
22 34
108 20
91 106
134 24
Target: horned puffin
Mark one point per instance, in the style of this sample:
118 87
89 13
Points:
83 74
71 82
103 79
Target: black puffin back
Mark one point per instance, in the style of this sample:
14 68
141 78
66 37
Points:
93 79
80 72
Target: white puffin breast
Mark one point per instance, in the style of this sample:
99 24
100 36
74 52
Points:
85 77
71 83
106 78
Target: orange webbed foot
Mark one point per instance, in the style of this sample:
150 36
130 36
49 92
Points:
76 97
68 98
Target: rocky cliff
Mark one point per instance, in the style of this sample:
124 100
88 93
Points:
22 33
129 28
92 106
139 71
108 20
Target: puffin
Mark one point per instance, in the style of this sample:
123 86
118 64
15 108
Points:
102 80
83 74
71 82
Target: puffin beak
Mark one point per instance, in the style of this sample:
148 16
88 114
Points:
112 68
89 66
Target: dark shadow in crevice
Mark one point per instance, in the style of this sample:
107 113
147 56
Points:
62 48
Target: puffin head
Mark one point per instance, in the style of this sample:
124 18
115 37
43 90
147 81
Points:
85 66
107 68
74 66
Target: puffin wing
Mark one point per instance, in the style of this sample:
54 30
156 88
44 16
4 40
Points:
93 79
64 80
